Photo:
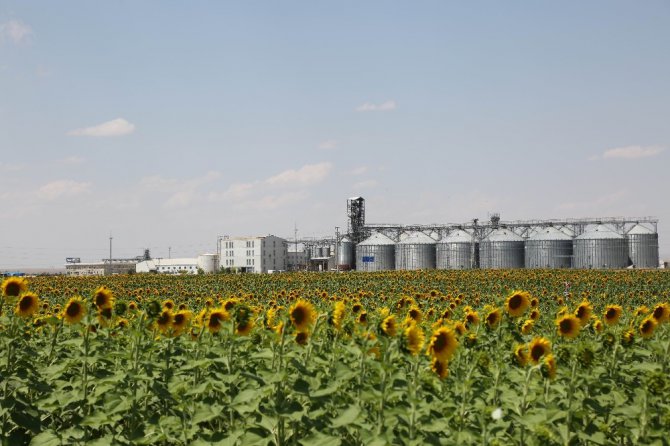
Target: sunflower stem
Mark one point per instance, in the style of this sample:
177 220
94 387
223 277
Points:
571 393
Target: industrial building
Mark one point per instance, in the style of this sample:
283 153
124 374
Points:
589 243
205 263
259 254
105 267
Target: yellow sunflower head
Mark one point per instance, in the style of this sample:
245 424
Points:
612 314
443 343
648 327
537 348
517 303
535 314
216 319
337 316
521 354
661 312
168 304
471 318
74 310
413 339
389 326
13 287
103 297
527 326
568 326
440 367
301 337
415 314
180 321
302 315
164 320
549 366
493 318
27 305
583 312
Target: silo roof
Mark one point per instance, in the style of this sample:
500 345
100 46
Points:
503 235
600 232
377 239
640 230
550 233
345 239
457 236
417 238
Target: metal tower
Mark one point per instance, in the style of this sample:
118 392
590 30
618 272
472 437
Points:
356 214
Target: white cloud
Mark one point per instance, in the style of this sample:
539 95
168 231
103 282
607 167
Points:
329 144
62 188
384 106
306 175
181 192
358 171
630 152
16 31
115 127
72 161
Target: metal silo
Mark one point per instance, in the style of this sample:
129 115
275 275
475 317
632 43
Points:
643 247
345 254
549 248
600 248
415 251
454 251
376 253
501 249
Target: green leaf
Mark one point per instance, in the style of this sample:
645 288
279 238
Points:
321 440
46 438
347 417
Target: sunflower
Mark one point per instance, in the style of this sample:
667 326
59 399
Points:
244 327
180 321
164 320
443 343
74 310
229 304
521 354
648 326
271 318
132 305
122 323
598 326
301 337
527 326
27 305
460 328
549 366
517 302
627 337
583 312
14 286
415 314
302 315
641 310
363 318
103 297
537 348
337 316
440 367
493 318
388 326
535 314
612 314
168 304
216 319
661 312
471 318
104 316
568 326
414 339
355 308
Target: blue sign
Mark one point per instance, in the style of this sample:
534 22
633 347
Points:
368 259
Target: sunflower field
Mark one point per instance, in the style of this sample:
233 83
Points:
394 358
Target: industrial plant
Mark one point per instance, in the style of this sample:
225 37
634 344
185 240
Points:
589 243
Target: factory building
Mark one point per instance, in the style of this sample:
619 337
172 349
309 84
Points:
102 268
260 254
205 263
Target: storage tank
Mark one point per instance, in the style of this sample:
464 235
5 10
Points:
600 248
643 247
454 251
345 254
209 263
415 251
376 253
549 248
501 249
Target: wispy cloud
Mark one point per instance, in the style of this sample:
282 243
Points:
630 152
15 31
358 171
384 106
180 193
367 184
115 127
306 175
72 161
329 144
62 188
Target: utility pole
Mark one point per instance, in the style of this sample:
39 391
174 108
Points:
169 252
337 247
295 236
110 253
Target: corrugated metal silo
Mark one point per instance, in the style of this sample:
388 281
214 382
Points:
415 251
549 248
376 253
454 251
643 247
600 248
345 254
501 249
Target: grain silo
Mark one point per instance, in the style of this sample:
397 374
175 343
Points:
549 248
600 248
415 251
376 253
455 251
501 249
345 254
643 247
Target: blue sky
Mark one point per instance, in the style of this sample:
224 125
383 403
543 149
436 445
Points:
169 123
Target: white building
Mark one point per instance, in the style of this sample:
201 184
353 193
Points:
254 254
297 258
102 268
208 263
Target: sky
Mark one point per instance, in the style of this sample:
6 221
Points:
167 123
